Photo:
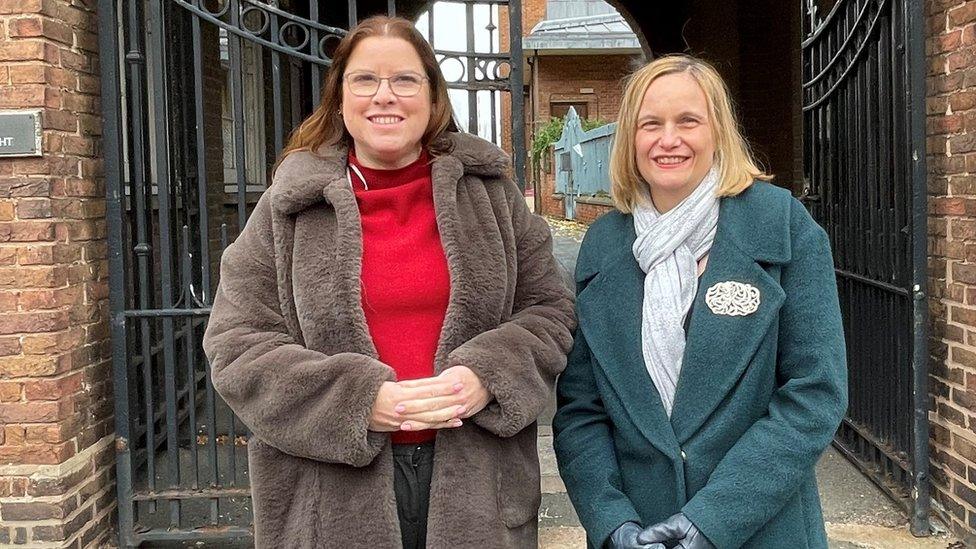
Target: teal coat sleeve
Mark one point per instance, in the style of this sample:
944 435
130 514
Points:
771 460
582 430
585 450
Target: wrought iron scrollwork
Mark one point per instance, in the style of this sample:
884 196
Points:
491 70
836 45
818 12
293 36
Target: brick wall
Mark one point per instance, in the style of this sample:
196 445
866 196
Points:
562 77
769 78
951 128
760 64
56 454
588 212
550 203
215 84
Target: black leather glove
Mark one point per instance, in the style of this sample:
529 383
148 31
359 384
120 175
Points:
676 532
625 537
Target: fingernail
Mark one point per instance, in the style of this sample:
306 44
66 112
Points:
456 422
460 410
400 408
458 387
405 427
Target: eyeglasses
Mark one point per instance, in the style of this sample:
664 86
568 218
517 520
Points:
366 84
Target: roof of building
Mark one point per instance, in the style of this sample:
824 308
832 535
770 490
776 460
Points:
581 25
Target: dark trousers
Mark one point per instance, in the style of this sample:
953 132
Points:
412 467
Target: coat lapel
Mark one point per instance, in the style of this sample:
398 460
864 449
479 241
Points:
461 322
751 233
611 305
719 347
326 271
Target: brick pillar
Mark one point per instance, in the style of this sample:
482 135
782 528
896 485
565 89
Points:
951 146
56 454
551 205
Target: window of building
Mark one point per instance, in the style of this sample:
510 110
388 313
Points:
558 109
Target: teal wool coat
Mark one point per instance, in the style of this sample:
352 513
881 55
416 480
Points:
758 399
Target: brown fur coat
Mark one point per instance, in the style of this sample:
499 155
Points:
292 356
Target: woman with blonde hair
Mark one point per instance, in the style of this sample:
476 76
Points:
390 322
708 372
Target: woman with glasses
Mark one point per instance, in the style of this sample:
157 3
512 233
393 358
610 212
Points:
391 320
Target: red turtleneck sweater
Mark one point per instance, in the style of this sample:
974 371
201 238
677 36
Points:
405 280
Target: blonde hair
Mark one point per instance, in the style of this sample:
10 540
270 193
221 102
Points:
737 168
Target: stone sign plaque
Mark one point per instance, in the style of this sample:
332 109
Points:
20 133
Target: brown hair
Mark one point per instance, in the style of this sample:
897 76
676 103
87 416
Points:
325 126
737 167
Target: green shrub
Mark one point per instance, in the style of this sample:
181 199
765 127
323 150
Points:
551 131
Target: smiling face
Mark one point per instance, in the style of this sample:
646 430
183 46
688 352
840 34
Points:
673 142
386 128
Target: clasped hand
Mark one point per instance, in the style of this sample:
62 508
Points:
677 532
439 402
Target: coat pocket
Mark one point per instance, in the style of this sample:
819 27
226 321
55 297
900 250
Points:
518 477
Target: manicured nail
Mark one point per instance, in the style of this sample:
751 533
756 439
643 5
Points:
460 411
400 408
458 387
456 423
405 427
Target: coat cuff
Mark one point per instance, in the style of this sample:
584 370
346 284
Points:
614 516
506 414
709 525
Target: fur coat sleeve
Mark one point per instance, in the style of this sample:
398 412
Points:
298 400
518 361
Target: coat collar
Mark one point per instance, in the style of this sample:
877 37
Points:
306 178
751 232
311 197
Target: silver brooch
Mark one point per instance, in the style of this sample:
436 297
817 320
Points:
732 298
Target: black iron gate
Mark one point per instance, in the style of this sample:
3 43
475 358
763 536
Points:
864 155
198 98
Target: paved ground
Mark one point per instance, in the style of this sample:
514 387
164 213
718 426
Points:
857 513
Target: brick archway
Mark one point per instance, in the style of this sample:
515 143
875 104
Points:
758 54
759 60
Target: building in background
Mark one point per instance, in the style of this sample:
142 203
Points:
577 56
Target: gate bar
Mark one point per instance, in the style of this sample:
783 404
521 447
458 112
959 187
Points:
202 159
142 181
108 47
516 91
164 184
470 74
916 66
313 44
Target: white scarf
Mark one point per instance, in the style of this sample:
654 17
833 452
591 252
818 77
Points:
668 248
